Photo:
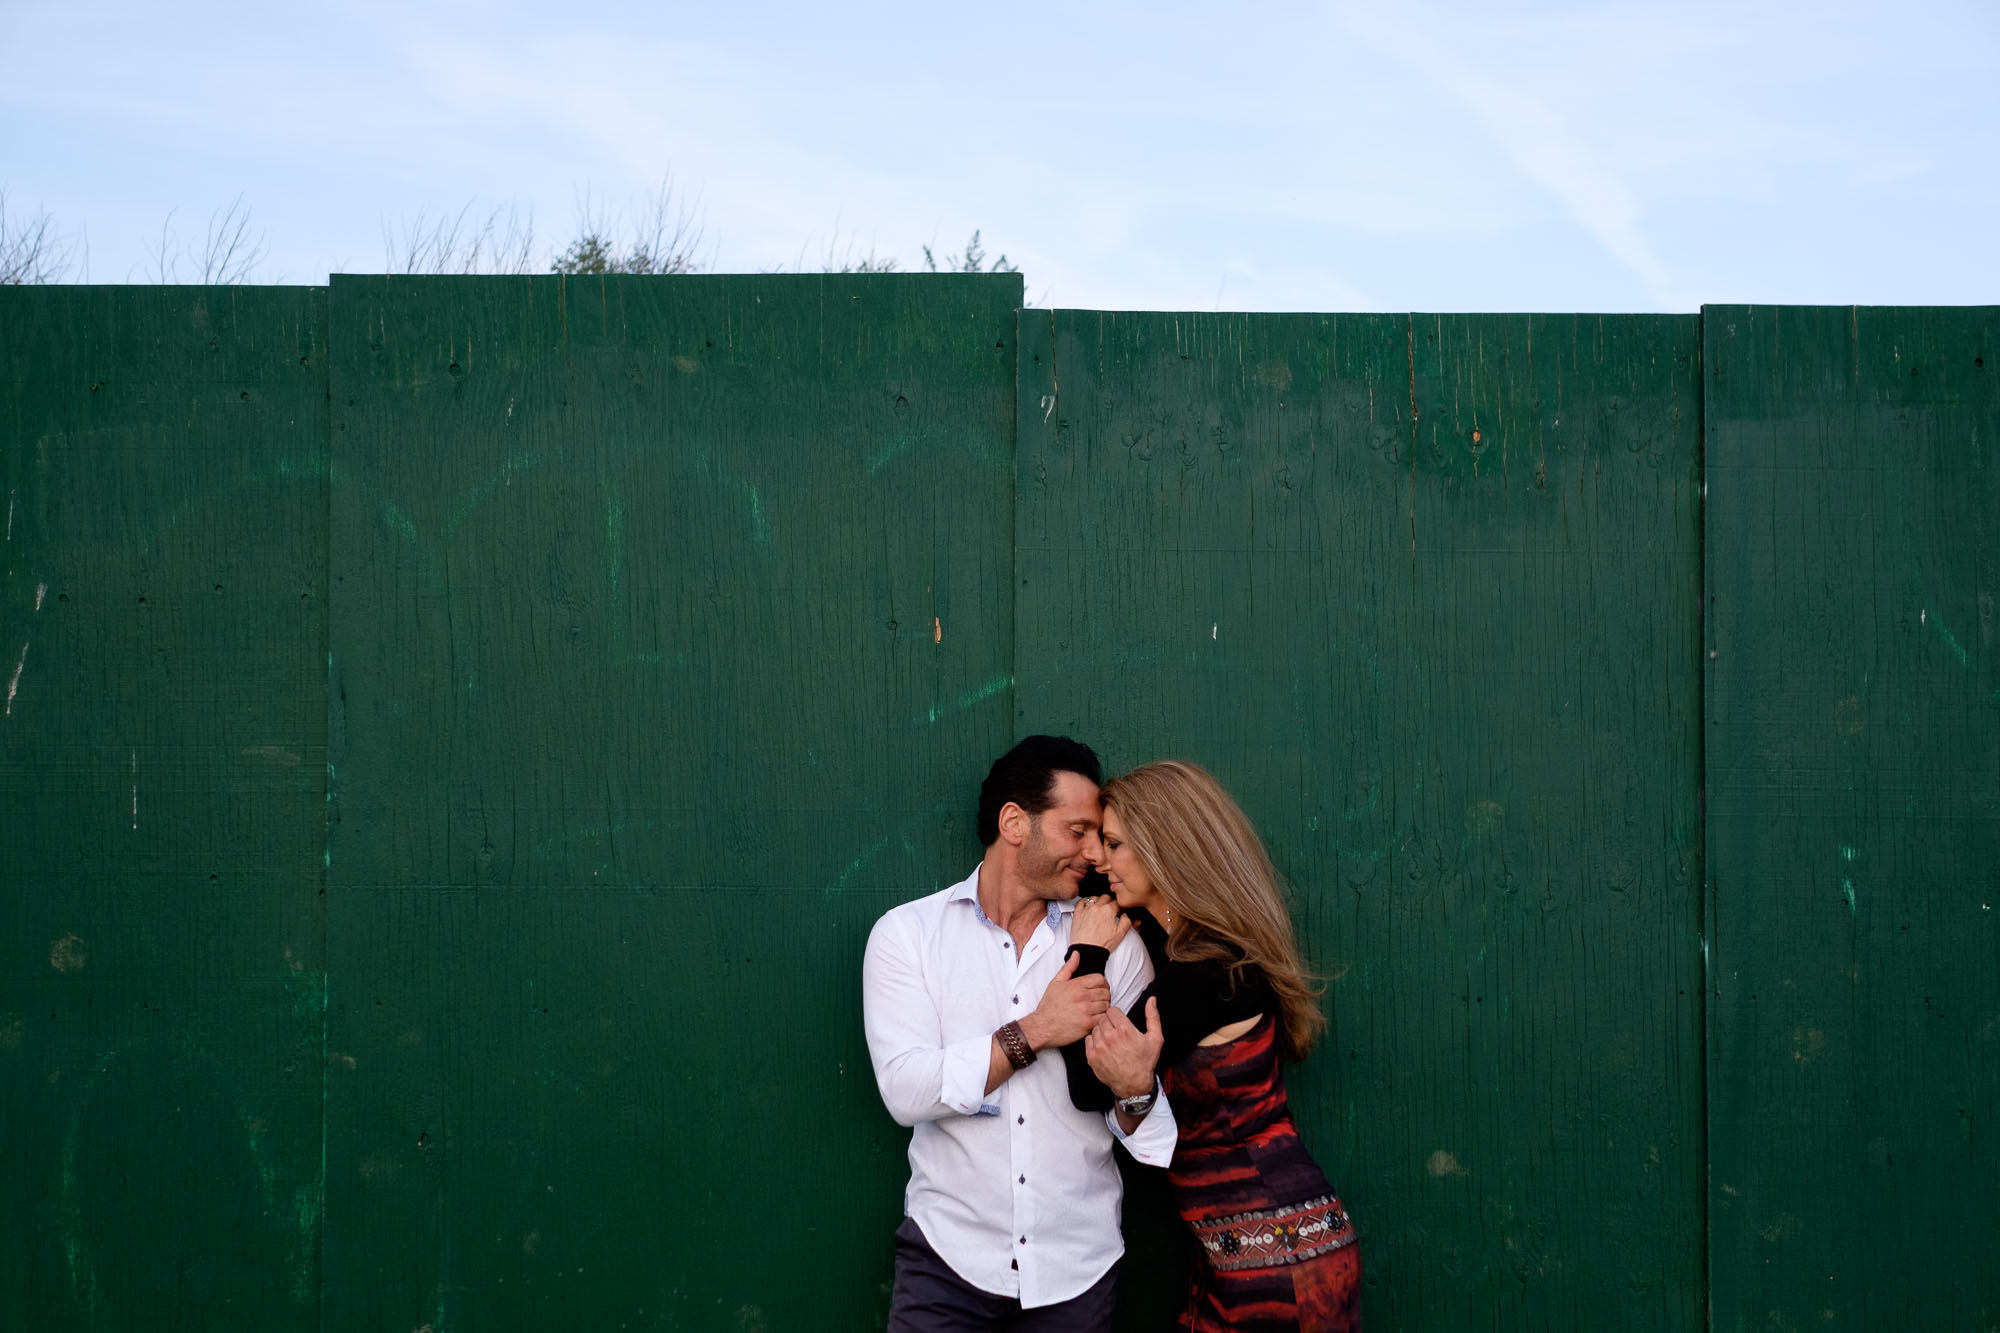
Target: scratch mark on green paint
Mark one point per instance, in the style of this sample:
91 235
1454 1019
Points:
307 987
1847 892
313 467
889 452
614 538
910 441
614 556
185 1058
69 1210
399 522
998 685
545 849
1957 649
873 850
479 494
315 1192
1846 852
306 1202
760 526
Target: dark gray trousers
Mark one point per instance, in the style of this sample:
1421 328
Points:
930 1298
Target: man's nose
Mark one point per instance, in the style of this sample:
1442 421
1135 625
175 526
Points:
1093 848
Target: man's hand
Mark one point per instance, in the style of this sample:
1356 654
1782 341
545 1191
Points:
1123 1056
1070 1007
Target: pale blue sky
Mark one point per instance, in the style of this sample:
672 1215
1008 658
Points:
1433 156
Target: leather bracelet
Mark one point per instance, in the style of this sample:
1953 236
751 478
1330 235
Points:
1014 1044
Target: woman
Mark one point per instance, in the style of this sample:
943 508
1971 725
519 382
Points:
1277 1249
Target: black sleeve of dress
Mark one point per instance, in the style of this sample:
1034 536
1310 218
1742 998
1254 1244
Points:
1202 996
1091 959
1086 1091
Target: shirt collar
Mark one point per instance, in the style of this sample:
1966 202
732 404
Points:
967 891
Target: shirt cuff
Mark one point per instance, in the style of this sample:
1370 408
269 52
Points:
966 1064
1153 1141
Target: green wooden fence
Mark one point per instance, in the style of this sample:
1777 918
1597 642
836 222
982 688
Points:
459 732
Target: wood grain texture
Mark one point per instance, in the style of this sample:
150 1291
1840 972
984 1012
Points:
1419 590
1854 815
671 634
457 735
162 787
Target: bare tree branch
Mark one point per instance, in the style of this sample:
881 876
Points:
502 242
230 253
842 258
971 260
665 239
31 252
166 263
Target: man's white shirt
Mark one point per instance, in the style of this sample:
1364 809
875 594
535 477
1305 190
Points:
1015 1188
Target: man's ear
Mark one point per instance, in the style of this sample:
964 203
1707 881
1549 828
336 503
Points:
1014 824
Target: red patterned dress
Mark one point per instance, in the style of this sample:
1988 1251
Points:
1277 1249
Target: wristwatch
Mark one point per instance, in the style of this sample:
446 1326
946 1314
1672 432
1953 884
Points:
1137 1106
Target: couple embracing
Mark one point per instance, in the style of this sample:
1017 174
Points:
1022 1030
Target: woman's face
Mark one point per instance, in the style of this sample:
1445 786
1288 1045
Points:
1129 882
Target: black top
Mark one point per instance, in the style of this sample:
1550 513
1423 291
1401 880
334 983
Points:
1195 999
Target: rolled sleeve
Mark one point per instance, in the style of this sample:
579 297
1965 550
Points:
963 1085
919 1076
1153 1141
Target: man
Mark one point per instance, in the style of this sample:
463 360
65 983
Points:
1012 1206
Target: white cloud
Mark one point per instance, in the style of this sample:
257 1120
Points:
1531 135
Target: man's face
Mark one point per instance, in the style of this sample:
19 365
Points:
1062 842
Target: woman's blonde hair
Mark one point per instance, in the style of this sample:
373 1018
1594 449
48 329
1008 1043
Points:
1204 858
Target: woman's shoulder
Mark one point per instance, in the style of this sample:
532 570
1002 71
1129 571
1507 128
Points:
1217 979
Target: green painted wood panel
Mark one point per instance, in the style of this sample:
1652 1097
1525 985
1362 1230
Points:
671 635
162 789
448 723
1422 591
1853 757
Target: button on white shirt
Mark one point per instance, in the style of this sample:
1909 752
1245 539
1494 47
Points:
1015 1188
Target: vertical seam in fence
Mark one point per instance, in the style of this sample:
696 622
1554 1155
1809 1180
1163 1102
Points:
1706 915
326 783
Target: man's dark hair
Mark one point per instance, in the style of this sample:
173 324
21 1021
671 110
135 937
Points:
1026 775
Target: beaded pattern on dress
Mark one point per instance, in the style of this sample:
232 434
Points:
1275 1236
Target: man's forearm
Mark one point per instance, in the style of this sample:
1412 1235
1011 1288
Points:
998 1067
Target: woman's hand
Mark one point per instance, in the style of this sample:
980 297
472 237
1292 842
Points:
1098 921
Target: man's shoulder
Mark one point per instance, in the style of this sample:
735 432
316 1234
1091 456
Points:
921 912
916 909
